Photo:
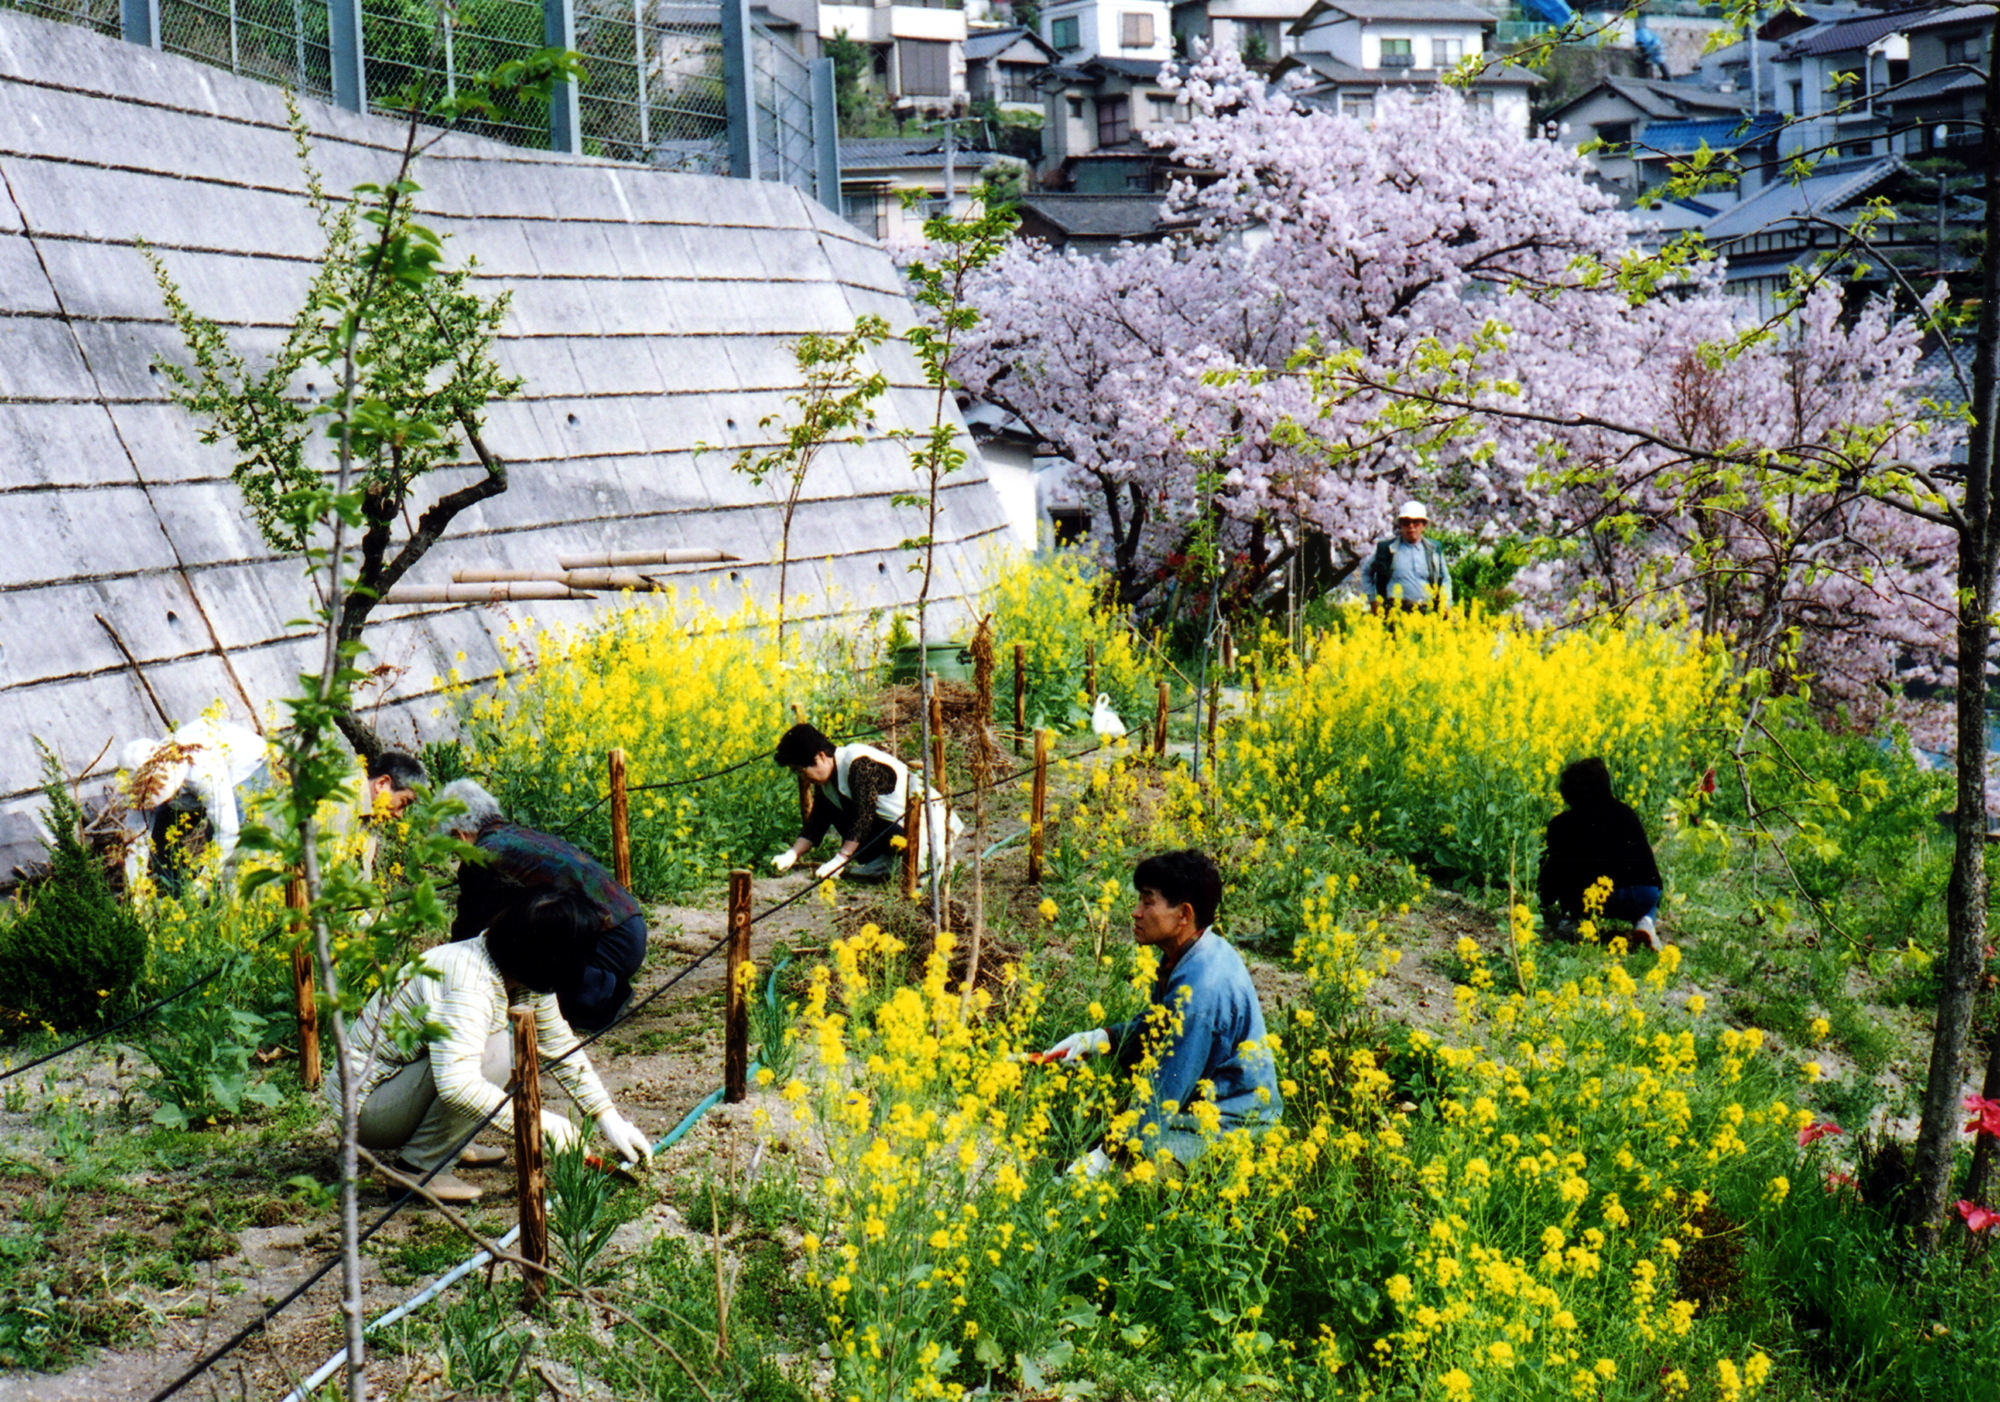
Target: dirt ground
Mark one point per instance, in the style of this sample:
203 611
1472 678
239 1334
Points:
657 1065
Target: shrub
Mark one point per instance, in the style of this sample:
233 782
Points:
684 691
1443 739
1051 605
75 951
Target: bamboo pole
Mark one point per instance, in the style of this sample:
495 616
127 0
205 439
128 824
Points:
937 746
736 1017
691 555
1160 723
1090 670
304 1001
530 1174
1020 696
1038 807
506 593
621 822
1214 706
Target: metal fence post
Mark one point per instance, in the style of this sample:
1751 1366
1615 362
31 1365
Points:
139 22
565 118
739 97
343 51
826 134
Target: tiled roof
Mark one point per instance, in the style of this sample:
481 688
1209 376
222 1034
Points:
1101 216
1777 205
1441 11
1334 70
899 152
1943 81
1857 33
1717 133
989 43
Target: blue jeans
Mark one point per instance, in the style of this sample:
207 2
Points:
1632 903
606 985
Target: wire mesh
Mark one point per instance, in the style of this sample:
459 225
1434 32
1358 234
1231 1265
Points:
421 51
781 81
100 15
277 41
655 91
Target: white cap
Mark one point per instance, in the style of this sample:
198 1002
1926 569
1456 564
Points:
1413 511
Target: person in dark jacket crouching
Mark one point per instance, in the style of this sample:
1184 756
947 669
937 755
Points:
1598 838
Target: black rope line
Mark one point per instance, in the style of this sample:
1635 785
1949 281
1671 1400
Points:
408 1196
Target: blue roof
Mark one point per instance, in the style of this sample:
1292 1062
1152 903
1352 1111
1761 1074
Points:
1680 138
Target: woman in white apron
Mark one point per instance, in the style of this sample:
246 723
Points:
863 793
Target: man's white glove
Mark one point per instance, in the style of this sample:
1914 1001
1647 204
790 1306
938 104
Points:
1079 1044
785 861
1090 1165
830 866
624 1136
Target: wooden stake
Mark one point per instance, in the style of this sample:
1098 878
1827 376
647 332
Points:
304 1001
1038 808
1090 670
1214 705
937 745
913 835
531 1177
621 823
736 1017
1160 723
1020 696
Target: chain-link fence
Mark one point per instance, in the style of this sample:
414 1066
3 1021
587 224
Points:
655 90
100 15
781 81
278 41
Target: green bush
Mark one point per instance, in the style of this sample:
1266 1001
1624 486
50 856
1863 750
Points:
75 951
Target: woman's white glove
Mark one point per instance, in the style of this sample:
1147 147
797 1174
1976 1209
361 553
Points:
624 1136
557 1129
830 866
1079 1044
785 861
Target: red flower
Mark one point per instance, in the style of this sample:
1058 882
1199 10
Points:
1977 1218
1985 1115
1708 780
1814 1132
1835 1181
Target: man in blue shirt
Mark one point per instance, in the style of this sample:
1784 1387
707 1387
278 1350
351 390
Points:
1406 570
1199 1049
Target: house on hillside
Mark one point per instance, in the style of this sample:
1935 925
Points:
1354 50
1788 225
1139 30
1260 30
1827 80
1096 118
1646 122
917 49
889 185
1003 65
1095 224
1942 105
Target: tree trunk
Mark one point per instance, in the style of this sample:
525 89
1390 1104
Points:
1965 907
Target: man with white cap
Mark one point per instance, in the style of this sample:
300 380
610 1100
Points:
1406 569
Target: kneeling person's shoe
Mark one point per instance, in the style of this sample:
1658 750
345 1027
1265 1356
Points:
447 1187
481 1155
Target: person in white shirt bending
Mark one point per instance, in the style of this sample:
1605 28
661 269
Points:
421 1098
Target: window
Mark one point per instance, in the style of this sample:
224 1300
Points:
1360 106
863 210
1617 137
1798 99
1141 181
1447 53
1961 50
1165 110
1114 120
1017 82
1063 34
926 65
1396 54
1076 109
1481 101
1135 31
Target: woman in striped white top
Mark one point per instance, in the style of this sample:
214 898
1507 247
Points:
435 1052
